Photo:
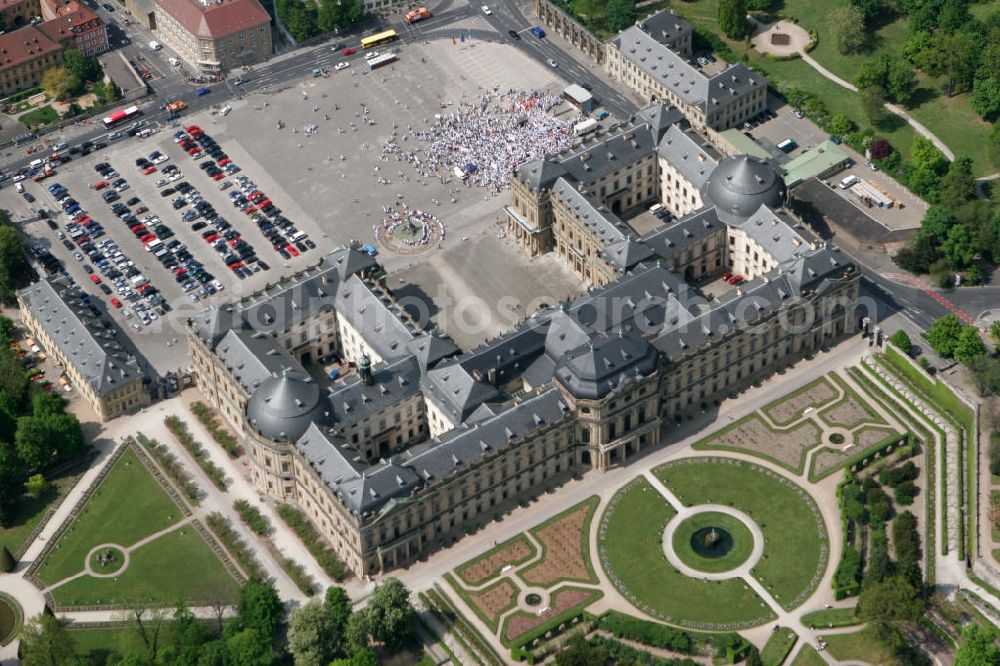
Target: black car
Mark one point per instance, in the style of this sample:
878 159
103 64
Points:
105 288
133 201
88 269
513 35
52 224
68 244
167 192
29 197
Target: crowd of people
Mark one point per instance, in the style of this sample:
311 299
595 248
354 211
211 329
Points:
486 139
419 227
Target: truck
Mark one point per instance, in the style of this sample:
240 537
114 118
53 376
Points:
787 146
177 106
418 14
585 127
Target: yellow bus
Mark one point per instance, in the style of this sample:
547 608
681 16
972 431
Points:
379 38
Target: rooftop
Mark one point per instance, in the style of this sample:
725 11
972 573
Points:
216 19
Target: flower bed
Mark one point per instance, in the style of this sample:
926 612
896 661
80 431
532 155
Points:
490 564
565 603
566 548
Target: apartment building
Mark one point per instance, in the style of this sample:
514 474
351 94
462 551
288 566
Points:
216 36
73 25
25 54
90 352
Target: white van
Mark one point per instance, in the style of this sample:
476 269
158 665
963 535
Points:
848 181
34 164
155 45
19 187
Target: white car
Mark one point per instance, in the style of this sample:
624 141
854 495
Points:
161 182
487 10
174 61
161 159
342 65
371 55
224 111
175 177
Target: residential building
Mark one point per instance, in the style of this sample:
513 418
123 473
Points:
71 330
17 13
653 58
25 54
215 36
73 25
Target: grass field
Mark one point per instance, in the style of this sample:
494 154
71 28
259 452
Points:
127 506
43 115
778 646
831 617
864 645
178 565
632 554
808 656
28 512
98 642
789 564
741 549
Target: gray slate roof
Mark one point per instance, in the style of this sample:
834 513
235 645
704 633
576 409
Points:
253 357
77 330
691 155
353 400
284 405
665 25
741 185
385 327
603 364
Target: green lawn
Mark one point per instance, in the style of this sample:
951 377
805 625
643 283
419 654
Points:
864 645
798 74
778 646
631 552
794 553
831 617
127 506
96 643
29 510
43 115
808 656
178 565
742 542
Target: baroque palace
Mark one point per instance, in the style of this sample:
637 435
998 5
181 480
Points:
425 440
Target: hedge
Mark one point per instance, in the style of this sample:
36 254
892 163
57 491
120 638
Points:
168 463
313 541
234 544
214 473
252 516
219 433
649 633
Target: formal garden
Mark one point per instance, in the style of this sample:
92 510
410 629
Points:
132 540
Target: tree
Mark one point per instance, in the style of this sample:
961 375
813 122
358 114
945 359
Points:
986 97
847 25
338 606
880 148
10 478
986 371
14 271
619 15
944 333
958 185
58 82
260 608
879 565
6 331
953 16
891 601
841 124
36 484
995 331
85 69
732 15
901 340
45 641
250 647
959 246
870 10
891 73
873 101
969 345
34 445
937 221
7 561
579 652
978 647
753 657
309 630
389 616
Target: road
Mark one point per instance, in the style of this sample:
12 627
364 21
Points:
169 83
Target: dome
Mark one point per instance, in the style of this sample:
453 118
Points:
284 405
740 184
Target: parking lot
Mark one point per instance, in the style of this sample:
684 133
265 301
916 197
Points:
318 170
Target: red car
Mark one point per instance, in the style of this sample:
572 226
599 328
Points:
212 238
96 279
264 203
115 302
193 130
101 184
290 249
218 176
224 161
348 51
150 169
236 264
727 275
